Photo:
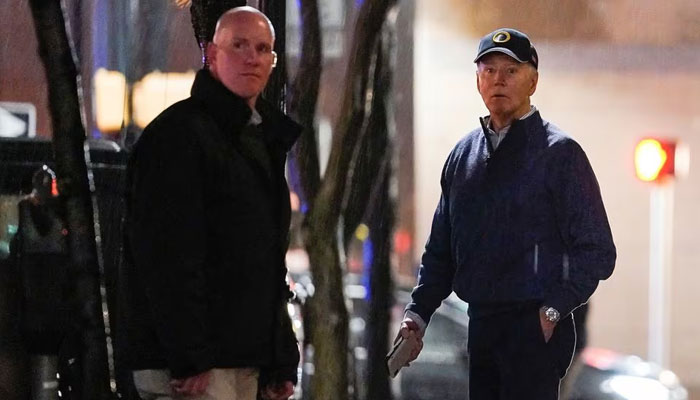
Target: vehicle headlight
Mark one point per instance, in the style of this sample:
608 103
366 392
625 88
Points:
668 378
636 388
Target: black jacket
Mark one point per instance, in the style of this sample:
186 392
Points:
524 223
207 231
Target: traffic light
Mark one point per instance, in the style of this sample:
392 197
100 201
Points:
655 159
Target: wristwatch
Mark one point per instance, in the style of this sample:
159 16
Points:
551 314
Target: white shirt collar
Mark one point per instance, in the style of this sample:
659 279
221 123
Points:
255 118
505 129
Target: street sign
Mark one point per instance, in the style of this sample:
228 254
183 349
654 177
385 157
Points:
17 119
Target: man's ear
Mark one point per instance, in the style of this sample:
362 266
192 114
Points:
478 87
533 82
210 52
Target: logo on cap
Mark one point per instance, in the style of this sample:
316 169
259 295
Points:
501 37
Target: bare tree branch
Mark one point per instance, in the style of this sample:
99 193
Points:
303 97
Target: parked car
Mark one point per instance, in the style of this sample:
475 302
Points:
610 375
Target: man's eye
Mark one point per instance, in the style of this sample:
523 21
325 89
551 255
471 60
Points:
237 45
263 49
512 70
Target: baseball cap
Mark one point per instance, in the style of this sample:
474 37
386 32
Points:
511 42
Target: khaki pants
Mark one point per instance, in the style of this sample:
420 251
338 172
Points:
224 384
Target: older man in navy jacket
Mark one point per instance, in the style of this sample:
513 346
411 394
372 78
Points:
520 233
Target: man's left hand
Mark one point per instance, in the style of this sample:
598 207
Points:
547 326
192 385
280 391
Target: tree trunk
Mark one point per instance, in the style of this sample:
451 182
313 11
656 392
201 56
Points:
69 148
276 88
381 221
381 297
329 333
303 161
369 202
302 101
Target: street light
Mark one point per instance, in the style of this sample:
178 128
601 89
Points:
658 161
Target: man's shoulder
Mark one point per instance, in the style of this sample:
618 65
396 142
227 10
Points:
179 113
183 116
557 137
560 142
473 135
175 127
468 141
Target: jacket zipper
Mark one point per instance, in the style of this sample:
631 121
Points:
536 261
485 131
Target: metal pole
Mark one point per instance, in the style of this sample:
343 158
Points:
660 242
44 385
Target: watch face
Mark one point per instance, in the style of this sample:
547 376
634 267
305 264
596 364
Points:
552 314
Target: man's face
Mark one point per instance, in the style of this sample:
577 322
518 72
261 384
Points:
241 56
505 84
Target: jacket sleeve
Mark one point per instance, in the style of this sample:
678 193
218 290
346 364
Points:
583 225
167 231
437 270
286 362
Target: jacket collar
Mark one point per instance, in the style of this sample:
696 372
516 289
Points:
232 113
530 124
530 129
282 130
521 132
229 111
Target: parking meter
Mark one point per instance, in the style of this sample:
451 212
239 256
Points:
45 291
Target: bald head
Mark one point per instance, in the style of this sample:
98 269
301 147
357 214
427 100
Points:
238 13
240 55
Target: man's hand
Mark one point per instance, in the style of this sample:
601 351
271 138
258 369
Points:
547 326
280 391
408 329
192 385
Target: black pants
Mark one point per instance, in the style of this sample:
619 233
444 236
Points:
509 359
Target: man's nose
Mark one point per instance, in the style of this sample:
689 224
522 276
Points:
251 57
500 77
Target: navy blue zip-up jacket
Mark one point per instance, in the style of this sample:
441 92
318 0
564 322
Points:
523 223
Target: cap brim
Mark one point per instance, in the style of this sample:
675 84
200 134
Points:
499 50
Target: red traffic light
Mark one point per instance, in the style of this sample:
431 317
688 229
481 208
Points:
655 159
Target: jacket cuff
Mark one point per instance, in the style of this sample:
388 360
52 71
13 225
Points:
191 366
410 315
186 372
278 375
